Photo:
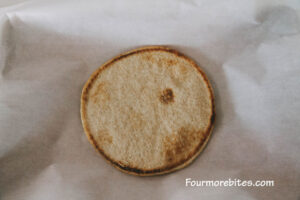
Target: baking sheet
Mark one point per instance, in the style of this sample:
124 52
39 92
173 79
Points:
250 51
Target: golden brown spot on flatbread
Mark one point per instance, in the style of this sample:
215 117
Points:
182 69
100 93
155 60
160 61
171 62
137 119
149 57
104 136
167 96
177 145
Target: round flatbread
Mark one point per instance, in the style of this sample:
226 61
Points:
149 111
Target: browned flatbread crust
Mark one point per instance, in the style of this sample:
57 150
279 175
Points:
166 97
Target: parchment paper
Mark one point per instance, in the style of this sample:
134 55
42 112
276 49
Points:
250 51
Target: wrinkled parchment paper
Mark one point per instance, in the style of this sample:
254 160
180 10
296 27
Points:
250 51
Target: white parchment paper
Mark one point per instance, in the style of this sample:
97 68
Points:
249 49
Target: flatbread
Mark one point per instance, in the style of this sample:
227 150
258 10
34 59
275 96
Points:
148 111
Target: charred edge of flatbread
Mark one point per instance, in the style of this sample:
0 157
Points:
157 171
